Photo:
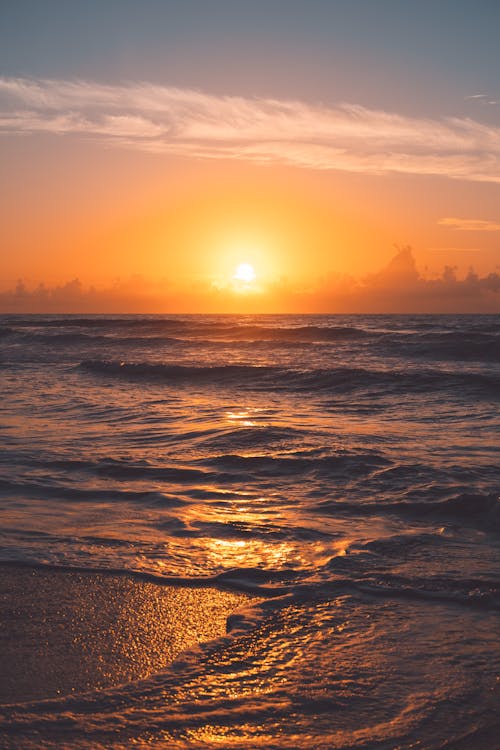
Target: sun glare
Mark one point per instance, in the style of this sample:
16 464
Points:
245 273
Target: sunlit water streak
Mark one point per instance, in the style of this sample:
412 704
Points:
344 468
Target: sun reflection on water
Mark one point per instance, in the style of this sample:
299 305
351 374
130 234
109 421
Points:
261 554
241 418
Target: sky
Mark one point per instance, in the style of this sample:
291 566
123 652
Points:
150 148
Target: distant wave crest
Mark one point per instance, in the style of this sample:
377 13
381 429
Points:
280 378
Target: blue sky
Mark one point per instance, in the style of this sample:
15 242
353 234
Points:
413 57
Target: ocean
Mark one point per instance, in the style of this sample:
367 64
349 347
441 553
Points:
342 470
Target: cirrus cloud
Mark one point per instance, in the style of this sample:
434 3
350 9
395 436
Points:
470 225
170 120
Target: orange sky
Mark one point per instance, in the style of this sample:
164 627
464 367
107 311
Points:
101 214
165 178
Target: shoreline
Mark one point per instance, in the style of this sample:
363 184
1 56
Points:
65 631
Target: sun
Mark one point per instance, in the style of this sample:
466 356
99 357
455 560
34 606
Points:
244 273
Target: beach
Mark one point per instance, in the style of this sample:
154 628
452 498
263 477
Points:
64 632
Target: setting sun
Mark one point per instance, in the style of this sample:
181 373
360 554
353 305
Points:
245 273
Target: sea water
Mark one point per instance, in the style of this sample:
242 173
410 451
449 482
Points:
344 469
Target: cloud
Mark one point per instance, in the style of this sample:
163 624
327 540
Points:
482 99
454 249
170 120
470 225
397 288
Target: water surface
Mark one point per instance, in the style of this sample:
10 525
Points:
345 469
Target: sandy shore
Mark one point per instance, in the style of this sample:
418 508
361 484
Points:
63 632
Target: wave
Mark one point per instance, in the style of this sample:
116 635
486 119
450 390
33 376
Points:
181 373
278 588
448 346
221 469
444 591
468 345
309 333
137 332
111 339
99 321
482 508
281 378
264 465
74 338
217 324
250 437
442 339
75 494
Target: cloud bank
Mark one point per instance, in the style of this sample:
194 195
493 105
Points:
397 288
170 120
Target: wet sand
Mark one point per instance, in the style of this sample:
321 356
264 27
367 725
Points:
63 632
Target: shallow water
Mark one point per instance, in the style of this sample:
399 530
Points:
346 468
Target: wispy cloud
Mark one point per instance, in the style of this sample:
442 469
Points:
454 249
183 121
482 99
470 225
